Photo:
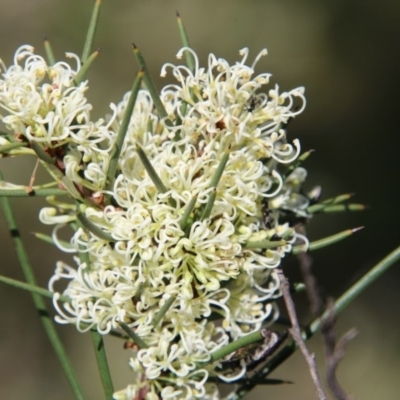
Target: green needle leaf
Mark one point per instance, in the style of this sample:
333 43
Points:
49 52
87 47
220 169
49 239
339 199
11 146
209 205
150 170
102 363
39 301
297 163
38 149
136 338
265 244
32 288
189 208
185 42
34 193
80 76
319 244
93 228
324 208
150 85
163 310
234 346
123 129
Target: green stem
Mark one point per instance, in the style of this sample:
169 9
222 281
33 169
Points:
338 199
40 152
32 288
102 363
87 47
265 244
234 346
220 169
319 244
344 300
93 228
49 239
297 163
136 338
163 310
11 146
39 301
123 129
324 208
189 208
34 193
150 170
209 205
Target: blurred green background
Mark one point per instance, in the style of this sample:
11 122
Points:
345 53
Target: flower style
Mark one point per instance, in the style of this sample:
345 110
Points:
202 226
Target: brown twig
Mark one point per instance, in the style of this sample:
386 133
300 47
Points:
295 331
313 293
335 352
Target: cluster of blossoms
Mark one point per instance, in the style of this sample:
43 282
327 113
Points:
198 216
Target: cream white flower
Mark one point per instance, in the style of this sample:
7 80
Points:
206 241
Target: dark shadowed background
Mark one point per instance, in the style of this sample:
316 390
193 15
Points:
346 55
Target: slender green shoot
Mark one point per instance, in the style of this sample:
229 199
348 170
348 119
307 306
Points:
62 180
220 169
354 291
50 240
162 311
297 163
51 60
102 363
339 199
34 193
87 47
209 205
80 76
150 85
150 170
93 228
32 288
11 146
38 149
39 301
265 244
324 208
319 244
188 211
190 61
244 341
136 338
123 129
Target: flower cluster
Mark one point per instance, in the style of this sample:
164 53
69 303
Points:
197 218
